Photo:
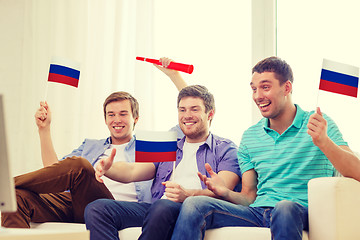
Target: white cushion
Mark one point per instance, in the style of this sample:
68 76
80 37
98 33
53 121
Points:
228 233
334 208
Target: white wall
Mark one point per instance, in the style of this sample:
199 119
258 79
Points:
214 36
309 31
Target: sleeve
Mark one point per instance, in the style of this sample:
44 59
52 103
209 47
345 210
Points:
229 160
178 130
334 132
244 158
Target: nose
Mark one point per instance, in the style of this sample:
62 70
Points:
257 95
117 119
186 114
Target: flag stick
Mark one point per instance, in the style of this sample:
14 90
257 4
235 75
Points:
46 90
317 99
173 173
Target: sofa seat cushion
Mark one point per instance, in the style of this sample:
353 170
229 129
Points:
228 233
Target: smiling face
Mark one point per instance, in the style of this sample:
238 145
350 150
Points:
269 95
120 121
193 120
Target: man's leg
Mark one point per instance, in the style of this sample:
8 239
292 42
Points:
288 221
38 208
105 217
160 220
75 174
200 213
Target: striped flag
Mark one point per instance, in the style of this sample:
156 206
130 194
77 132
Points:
151 146
339 78
64 71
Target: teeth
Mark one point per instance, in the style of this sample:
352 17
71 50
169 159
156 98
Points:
264 104
118 128
189 124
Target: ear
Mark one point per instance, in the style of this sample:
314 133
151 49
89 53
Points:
211 114
288 87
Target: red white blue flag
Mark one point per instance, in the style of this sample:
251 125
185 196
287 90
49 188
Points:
339 78
64 71
152 146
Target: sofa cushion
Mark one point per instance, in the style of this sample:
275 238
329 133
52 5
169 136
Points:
228 233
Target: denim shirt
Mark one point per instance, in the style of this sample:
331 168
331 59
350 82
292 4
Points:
219 152
92 149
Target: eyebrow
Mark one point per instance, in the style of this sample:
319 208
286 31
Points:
123 111
262 82
195 106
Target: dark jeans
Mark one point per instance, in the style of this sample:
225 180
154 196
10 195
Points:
160 220
286 220
105 217
41 198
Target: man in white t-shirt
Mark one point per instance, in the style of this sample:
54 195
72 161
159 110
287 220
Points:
198 150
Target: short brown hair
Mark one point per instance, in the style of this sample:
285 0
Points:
120 96
279 67
199 92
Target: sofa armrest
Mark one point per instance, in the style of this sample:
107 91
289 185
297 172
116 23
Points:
334 208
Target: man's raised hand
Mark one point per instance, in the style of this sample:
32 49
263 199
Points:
104 165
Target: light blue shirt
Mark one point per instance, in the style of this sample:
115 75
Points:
285 163
92 149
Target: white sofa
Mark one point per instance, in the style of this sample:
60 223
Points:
334 210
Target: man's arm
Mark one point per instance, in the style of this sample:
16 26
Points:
342 158
218 186
175 192
123 171
174 75
43 120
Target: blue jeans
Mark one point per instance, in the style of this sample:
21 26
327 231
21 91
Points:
286 220
160 220
105 217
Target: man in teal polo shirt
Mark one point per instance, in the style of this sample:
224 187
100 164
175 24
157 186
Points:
277 157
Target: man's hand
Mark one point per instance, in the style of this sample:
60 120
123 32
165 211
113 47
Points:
174 75
317 128
164 64
215 183
175 192
104 165
43 116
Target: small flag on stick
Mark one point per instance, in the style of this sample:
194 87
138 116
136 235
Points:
152 146
339 78
64 71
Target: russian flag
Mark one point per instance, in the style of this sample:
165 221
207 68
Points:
339 78
64 71
152 146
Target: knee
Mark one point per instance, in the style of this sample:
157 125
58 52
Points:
94 211
285 209
78 164
163 209
194 204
